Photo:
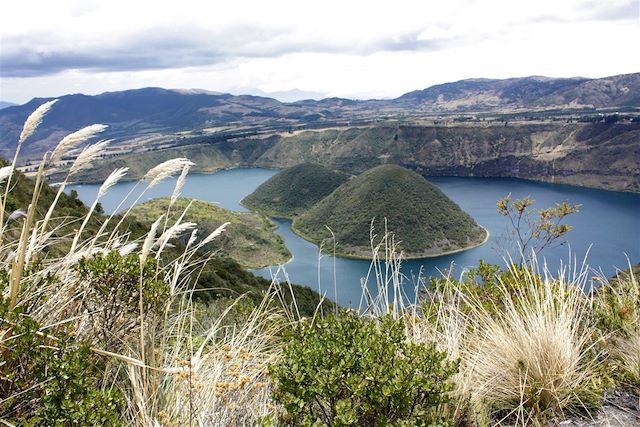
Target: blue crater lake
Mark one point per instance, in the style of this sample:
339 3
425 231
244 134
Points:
606 230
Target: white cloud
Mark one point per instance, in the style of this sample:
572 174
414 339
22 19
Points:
344 48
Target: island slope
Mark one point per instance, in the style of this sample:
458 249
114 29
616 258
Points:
424 221
294 190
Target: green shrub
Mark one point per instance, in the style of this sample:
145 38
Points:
617 313
345 370
111 283
48 380
484 285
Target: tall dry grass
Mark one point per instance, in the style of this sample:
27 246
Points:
174 367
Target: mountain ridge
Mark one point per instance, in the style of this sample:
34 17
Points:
156 111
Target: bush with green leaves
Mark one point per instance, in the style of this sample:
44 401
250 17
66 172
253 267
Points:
346 370
112 283
617 313
484 285
49 379
533 230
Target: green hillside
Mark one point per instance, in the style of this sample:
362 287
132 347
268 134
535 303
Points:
294 190
424 221
222 276
249 239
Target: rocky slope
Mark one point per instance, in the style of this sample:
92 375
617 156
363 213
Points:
594 155
597 155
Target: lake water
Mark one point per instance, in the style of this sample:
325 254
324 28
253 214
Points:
607 227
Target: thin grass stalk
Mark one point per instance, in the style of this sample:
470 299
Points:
18 262
78 234
30 126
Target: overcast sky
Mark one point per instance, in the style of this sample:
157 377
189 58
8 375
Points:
355 49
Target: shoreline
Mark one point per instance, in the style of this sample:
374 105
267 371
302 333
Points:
366 258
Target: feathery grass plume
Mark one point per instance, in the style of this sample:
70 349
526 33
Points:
111 180
83 161
74 139
30 125
154 176
150 240
19 213
88 155
34 120
179 184
215 233
165 170
127 249
173 232
5 172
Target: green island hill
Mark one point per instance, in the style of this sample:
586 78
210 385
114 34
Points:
294 190
249 239
425 222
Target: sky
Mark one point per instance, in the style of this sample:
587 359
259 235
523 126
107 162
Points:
346 48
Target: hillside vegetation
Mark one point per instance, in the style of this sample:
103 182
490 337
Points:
249 238
294 190
224 275
208 158
424 221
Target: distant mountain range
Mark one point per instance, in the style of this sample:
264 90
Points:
5 104
156 111
528 93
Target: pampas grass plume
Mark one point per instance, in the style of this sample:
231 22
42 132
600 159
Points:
180 183
74 139
34 120
218 231
112 180
166 169
88 155
149 240
5 172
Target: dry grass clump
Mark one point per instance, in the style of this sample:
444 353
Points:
534 357
526 343
628 355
